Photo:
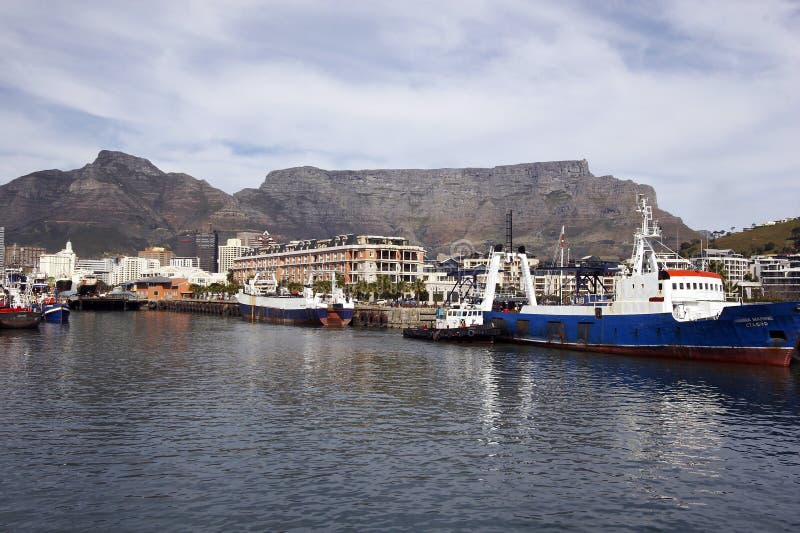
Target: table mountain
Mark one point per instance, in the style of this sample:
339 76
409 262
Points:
457 209
121 203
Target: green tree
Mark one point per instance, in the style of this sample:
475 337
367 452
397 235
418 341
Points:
418 286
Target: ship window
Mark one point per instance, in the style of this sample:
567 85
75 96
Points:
694 285
523 327
674 286
659 287
777 335
681 286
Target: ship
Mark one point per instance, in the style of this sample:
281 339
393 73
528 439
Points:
16 308
659 308
262 300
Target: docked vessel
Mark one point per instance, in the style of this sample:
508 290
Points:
16 308
54 310
261 301
460 323
656 310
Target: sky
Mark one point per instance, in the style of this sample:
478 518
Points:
699 99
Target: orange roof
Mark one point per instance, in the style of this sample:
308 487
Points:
696 273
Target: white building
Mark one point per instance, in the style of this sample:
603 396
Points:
131 268
227 253
736 265
58 265
2 247
101 268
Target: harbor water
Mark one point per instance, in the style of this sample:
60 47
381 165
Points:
146 421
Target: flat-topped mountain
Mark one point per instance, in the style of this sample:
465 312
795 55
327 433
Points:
121 203
466 206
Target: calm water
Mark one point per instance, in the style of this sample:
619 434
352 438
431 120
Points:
162 421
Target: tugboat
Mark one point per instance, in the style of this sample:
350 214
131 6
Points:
658 309
460 323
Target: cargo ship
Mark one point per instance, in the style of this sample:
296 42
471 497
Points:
262 300
656 310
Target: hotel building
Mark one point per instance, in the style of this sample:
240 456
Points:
357 257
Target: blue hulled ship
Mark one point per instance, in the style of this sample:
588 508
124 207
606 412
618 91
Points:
657 310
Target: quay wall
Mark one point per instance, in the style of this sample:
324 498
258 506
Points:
393 317
366 316
207 307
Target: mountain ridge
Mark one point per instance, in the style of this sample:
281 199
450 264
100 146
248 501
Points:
121 203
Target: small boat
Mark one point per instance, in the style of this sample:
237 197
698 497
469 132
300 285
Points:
460 323
54 310
658 309
262 300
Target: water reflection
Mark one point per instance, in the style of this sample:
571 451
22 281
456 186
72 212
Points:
150 419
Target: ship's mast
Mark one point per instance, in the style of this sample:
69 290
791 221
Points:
644 257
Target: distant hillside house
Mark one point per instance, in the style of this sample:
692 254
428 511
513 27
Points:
356 257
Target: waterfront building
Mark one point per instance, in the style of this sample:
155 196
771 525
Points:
101 268
227 253
779 275
24 257
157 252
357 257
161 288
736 265
2 247
58 265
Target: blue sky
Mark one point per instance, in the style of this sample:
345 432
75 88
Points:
699 99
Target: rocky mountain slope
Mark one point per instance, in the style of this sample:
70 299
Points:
118 203
454 210
121 203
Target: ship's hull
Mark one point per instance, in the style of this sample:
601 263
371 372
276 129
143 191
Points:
294 311
19 319
763 334
55 313
471 334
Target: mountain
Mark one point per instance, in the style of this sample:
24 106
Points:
121 203
458 210
118 203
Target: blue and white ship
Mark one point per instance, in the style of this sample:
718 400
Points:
657 310
262 300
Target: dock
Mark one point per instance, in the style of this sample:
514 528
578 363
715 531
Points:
366 316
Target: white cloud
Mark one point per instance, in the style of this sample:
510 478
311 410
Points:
663 94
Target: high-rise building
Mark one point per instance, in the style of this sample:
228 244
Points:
207 250
199 244
228 252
